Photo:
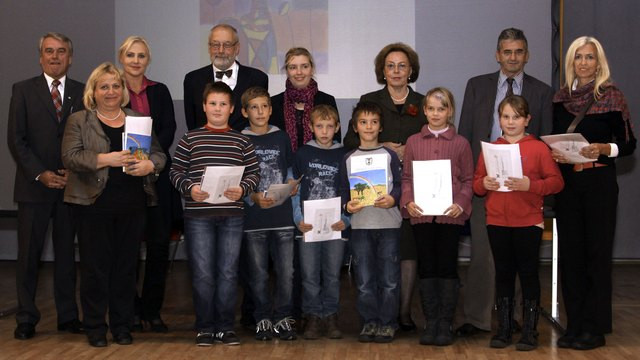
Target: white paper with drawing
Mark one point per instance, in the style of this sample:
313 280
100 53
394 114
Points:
569 146
217 179
502 161
321 214
280 192
432 188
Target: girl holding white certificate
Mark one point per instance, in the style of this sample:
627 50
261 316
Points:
515 222
437 236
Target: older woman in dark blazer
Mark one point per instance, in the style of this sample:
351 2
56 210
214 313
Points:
109 190
152 98
397 65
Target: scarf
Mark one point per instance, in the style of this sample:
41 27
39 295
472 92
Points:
611 99
291 97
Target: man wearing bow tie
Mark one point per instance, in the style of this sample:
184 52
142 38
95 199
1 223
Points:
223 49
37 116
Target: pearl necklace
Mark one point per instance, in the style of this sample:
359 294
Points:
108 118
400 100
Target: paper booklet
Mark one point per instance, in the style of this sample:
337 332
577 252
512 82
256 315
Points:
432 187
502 161
137 136
280 192
217 179
322 214
368 178
569 146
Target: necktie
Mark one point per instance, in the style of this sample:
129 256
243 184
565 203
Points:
57 99
510 88
219 74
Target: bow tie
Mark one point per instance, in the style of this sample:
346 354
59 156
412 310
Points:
219 74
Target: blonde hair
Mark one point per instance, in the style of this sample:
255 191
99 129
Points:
128 43
603 75
446 97
89 99
324 112
298 51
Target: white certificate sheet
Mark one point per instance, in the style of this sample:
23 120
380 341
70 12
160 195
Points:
217 179
432 188
502 161
569 146
321 214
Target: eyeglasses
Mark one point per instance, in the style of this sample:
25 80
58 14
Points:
401 67
226 46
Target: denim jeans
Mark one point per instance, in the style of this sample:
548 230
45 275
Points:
377 274
278 243
213 247
320 264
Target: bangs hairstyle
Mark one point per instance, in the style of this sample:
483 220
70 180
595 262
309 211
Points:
324 112
366 107
58 36
217 88
252 93
128 43
105 68
517 103
603 75
446 98
298 51
414 61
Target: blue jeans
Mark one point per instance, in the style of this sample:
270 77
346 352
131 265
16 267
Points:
278 243
377 274
320 264
213 246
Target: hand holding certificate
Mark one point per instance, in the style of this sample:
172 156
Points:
432 188
569 146
219 182
368 178
322 216
502 162
278 193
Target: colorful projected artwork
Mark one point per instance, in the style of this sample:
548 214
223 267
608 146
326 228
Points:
268 28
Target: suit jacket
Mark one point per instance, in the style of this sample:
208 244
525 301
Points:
476 116
397 126
277 104
35 135
194 83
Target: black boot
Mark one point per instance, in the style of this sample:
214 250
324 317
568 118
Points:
430 308
505 317
530 314
448 301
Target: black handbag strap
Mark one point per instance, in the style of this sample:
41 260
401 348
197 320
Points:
579 117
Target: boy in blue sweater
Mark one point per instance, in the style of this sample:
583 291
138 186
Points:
269 229
375 229
319 162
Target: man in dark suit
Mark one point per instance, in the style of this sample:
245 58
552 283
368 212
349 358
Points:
37 116
223 48
479 122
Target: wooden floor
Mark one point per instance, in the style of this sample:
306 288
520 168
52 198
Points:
624 343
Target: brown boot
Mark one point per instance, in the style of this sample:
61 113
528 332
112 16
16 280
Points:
332 327
312 328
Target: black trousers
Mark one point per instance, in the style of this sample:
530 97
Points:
33 221
437 250
516 251
109 245
586 211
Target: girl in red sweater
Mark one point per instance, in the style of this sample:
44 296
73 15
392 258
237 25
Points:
515 221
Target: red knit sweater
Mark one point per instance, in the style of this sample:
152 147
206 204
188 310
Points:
521 208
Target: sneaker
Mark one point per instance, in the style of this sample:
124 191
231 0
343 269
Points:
284 329
264 330
204 339
312 328
333 332
368 332
227 338
385 334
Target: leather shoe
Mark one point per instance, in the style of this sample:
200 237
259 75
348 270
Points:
468 330
588 341
97 340
566 341
158 326
24 331
123 338
137 324
74 326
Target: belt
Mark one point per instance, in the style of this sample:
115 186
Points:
589 165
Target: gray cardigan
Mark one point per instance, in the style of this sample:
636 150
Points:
83 140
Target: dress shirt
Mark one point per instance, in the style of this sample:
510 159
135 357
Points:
501 93
231 81
60 87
